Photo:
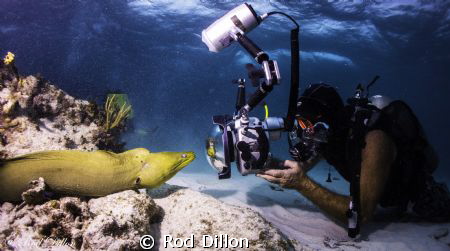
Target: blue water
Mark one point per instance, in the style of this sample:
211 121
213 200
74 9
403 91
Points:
152 51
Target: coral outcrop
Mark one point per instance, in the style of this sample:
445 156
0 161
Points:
118 221
113 222
186 212
35 115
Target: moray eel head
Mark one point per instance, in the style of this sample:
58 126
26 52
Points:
159 167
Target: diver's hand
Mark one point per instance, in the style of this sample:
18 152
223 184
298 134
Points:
290 177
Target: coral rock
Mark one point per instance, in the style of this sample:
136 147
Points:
36 116
35 193
119 219
187 212
113 222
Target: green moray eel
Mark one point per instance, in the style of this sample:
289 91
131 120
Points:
97 173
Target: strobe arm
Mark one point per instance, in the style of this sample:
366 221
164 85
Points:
240 100
258 96
270 67
258 54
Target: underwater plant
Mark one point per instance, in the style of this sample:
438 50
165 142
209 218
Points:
117 109
9 58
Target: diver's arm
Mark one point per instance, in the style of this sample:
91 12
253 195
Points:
378 156
309 164
335 205
294 177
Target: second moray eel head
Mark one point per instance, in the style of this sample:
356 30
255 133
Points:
157 168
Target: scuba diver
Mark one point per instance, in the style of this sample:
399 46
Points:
385 157
378 146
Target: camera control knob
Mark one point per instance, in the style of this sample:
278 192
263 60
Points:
242 146
245 150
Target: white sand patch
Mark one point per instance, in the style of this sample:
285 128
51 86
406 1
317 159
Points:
300 220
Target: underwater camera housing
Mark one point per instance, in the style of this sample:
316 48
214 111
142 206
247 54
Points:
241 138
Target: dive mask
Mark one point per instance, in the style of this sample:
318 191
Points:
305 139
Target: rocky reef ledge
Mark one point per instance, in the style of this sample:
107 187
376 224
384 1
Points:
36 116
118 221
188 213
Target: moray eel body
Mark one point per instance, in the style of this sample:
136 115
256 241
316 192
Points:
97 173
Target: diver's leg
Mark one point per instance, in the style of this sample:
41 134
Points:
377 159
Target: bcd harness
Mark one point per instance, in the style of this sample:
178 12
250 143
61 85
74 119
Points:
364 116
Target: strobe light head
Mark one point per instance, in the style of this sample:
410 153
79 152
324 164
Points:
218 35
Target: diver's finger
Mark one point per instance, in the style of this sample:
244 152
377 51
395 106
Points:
274 173
269 178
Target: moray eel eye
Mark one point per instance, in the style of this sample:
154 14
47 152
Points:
183 155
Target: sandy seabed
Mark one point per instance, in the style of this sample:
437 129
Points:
304 223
